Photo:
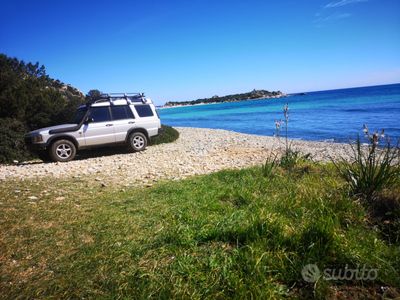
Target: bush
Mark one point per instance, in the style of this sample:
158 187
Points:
370 169
168 134
12 146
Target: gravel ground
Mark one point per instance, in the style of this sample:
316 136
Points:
197 151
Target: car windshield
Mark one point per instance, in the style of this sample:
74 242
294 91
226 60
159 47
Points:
80 113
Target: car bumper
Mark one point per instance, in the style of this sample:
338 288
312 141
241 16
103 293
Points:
34 147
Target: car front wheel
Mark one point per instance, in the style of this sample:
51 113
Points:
137 141
62 151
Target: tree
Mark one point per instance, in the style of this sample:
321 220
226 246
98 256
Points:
31 99
93 95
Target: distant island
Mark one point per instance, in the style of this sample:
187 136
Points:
255 94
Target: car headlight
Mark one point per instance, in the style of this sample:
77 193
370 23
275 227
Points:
37 138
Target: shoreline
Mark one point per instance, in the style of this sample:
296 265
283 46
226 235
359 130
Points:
197 151
243 100
175 106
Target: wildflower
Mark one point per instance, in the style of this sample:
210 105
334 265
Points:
375 138
286 111
365 129
278 124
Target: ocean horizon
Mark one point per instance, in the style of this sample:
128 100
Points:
332 115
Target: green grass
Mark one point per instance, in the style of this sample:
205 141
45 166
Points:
232 234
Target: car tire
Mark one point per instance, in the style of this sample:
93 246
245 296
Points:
62 151
137 141
44 155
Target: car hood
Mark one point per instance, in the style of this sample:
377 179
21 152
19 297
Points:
47 129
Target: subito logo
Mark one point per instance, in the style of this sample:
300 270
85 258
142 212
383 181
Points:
311 273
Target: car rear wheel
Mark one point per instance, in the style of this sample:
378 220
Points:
137 141
62 151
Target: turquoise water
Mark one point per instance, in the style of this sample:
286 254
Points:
336 115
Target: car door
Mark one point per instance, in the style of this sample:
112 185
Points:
99 129
123 120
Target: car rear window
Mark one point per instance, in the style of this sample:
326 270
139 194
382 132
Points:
144 110
121 112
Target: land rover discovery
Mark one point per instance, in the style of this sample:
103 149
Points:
114 119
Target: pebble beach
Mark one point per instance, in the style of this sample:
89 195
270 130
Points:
197 151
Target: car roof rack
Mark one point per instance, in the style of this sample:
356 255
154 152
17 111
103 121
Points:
133 97
122 95
129 97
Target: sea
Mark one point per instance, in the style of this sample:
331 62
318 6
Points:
334 115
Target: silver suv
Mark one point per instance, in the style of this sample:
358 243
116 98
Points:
129 119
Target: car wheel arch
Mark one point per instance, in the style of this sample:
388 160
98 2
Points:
142 130
56 138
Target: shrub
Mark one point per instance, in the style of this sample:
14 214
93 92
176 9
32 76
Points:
370 168
12 146
168 134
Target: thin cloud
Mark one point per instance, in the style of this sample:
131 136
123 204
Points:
319 21
323 15
342 3
336 17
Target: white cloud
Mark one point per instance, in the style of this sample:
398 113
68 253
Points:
342 3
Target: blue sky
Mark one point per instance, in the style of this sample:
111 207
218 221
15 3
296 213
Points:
183 50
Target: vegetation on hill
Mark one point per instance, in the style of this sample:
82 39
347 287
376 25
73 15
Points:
255 94
232 234
30 99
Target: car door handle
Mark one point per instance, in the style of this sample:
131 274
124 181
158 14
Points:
131 122
108 125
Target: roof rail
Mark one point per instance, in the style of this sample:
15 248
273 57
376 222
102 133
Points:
130 97
121 95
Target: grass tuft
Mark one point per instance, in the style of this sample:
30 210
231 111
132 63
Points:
370 169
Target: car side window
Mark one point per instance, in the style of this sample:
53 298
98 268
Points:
100 114
121 112
144 110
